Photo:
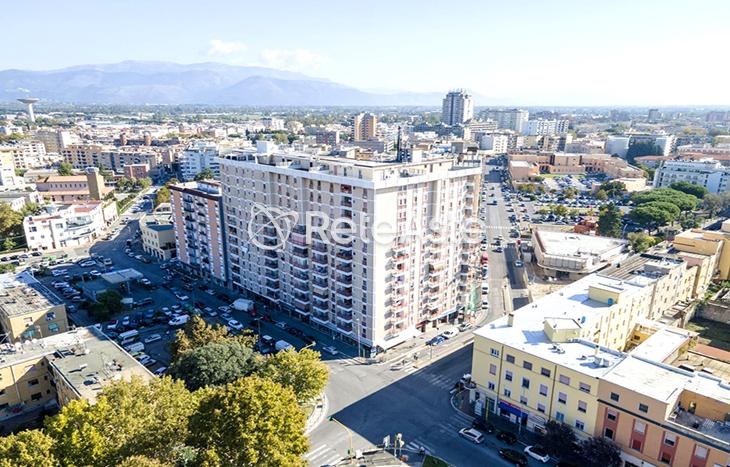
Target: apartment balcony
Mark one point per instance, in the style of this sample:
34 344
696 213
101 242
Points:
270 242
321 317
345 246
300 240
320 307
301 299
299 229
304 288
300 275
347 317
272 285
320 259
188 208
233 241
345 305
189 218
324 295
300 253
271 254
300 266
320 272
345 327
347 202
319 247
344 280
344 292
398 292
346 189
272 294
344 268
269 232
347 257
272 274
347 214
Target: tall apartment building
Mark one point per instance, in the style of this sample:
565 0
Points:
499 144
654 115
364 126
198 156
330 138
544 127
457 108
55 140
197 217
707 173
81 156
509 119
717 116
370 293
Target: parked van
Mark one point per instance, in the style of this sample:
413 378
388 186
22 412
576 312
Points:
451 332
132 333
243 304
283 345
136 347
179 320
128 340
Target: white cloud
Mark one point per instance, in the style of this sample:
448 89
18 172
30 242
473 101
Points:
218 48
292 60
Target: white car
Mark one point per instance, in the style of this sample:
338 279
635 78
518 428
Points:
139 257
59 272
145 281
181 297
537 452
153 338
224 309
87 264
235 324
95 273
330 350
475 436
518 263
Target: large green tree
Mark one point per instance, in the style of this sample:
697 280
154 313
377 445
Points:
251 422
653 215
163 196
303 371
641 242
683 201
712 203
609 220
65 169
144 183
206 174
690 189
198 333
614 188
559 438
29 448
111 300
643 148
597 452
214 364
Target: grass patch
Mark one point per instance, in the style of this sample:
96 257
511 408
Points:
430 461
712 333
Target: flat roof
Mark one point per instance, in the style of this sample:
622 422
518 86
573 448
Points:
21 294
123 275
573 244
569 303
520 163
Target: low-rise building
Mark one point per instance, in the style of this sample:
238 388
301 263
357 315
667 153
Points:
158 235
572 255
707 173
17 199
523 170
28 310
137 171
68 224
90 186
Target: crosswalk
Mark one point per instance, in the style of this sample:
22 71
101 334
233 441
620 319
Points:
322 455
341 364
439 381
447 429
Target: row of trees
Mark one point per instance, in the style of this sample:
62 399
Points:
125 183
560 441
228 407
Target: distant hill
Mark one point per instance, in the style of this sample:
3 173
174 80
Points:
138 82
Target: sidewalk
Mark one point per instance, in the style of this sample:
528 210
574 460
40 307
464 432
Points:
318 414
378 457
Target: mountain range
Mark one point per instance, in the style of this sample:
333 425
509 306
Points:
143 82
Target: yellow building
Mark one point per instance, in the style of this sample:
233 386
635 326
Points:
28 309
158 235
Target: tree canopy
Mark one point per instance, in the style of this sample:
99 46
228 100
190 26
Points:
686 187
198 333
655 214
65 169
682 200
302 371
609 220
643 148
601 195
640 242
214 364
614 188
163 196
597 452
206 174
559 437
29 448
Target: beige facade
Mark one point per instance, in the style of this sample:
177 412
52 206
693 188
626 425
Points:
523 170
376 292
198 228
29 310
569 163
158 235
74 188
81 156
364 126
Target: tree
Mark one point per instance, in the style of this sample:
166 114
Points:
124 183
643 148
111 300
686 187
7 267
253 421
601 195
609 221
30 209
303 371
172 181
214 364
206 174
142 461
65 169
570 193
648 173
559 437
538 179
683 201
614 189
29 448
652 215
144 183
198 333
641 242
163 196
559 209
525 187
597 452
8 244
712 203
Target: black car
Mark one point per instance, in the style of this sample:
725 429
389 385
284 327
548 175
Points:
507 436
187 287
309 340
513 456
483 426
295 332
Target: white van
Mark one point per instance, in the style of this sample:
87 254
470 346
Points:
283 345
127 340
136 347
451 332
179 320
127 334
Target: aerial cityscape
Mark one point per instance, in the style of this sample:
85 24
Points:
384 235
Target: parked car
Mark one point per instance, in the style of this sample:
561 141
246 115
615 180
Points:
537 452
112 324
330 350
513 456
160 370
282 325
507 436
153 338
483 426
295 332
309 340
181 296
472 435
235 324
435 341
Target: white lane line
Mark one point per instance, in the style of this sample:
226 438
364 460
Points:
452 391
311 453
333 460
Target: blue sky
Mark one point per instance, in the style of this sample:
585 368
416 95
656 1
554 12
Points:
546 52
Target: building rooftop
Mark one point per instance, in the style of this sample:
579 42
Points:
523 164
158 222
573 244
568 308
123 275
22 294
645 265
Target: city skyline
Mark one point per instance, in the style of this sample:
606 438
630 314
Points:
602 55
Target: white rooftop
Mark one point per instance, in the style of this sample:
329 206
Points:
573 244
520 163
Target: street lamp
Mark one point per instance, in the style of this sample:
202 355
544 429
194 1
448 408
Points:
333 419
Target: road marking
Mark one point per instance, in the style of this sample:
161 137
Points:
311 453
333 460
452 391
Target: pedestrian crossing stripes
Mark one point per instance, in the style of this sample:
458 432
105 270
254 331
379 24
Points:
339 365
322 455
449 428
440 381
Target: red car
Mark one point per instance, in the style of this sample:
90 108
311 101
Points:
252 313
266 318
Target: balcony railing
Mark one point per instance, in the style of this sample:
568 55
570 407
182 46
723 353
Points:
319 271
299 253
300 275
343 268
271 254
272 274
345 327
344 316
346 202
323 296
301 287
319 260
344 280
344 292
344 256
319 247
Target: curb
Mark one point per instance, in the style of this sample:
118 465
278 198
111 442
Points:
317 415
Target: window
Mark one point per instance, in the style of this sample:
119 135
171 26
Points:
495 353
50 316
492 369
640 427
524 400
564 379
608 433
611 415
666 458
541 408
508 375
562 397
582 406
700 451
580 424
491 386
543 390
507 393
559 416
36 397
614 397
636 445
510 358
525 383
585 387
527 365
670 439
545 372
643 408
53 327
32 383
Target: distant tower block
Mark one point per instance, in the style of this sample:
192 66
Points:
29 101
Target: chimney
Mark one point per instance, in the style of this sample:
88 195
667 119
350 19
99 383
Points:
511 319
598 349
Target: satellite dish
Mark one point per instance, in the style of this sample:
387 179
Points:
34 340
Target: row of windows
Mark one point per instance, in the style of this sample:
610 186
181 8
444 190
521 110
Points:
585 387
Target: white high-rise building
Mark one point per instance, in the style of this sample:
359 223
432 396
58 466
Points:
458 108
706 172
368 288
509 119
498 144
544 127
198 156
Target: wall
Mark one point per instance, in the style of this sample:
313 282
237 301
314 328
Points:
715 311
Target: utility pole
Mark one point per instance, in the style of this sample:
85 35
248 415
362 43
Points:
351 452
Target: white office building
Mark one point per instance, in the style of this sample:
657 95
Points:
509 119
497 144
65 225
544 127
198 156
369 288
707 173
458 108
